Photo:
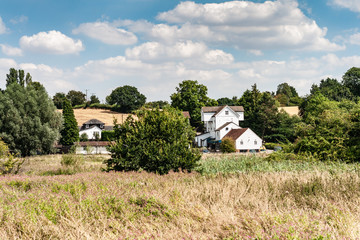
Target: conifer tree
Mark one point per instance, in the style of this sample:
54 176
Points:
70 131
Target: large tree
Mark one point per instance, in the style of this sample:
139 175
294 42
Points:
191 96
332 89
29 123
126 98
76 97
351 80
59 99
158 141
70 131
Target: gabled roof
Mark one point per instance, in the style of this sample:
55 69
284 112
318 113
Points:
93 122
83 128
217 109
223 126
236 133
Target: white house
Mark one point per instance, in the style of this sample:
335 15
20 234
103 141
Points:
93 129
220 122
245 139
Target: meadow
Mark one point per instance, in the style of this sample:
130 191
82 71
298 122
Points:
227 197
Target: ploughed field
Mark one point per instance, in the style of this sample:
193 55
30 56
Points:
228 197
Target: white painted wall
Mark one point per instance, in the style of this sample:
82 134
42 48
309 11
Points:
225 130
90 132
248 139
92 150
201 140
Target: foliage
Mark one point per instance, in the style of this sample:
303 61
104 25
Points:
191 96
84 137
351 80
94 99
8 162
76 97
227 101
29 123
18 77
70 131
332 89
126 98
227 145
159 141
58 100
157 104
107 135
287 95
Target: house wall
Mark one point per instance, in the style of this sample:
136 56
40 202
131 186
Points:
201 140
92 150
248 138
90 132
222 118
220 134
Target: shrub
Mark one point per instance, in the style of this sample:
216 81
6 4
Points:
8 163
84 137
227 145
159 141
71 160
107 135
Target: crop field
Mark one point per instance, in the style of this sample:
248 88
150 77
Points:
104 115
227 197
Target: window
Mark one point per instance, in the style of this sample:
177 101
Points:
226 128
241 142
226 112
87 125
255 142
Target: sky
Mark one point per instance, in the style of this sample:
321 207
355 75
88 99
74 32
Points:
96 46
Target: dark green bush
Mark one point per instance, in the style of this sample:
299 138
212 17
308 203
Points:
158 141
108 135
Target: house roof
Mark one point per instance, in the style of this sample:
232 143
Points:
236 133
83 128
93 121
223 126
217 109
186 114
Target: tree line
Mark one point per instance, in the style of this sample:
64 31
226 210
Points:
328 124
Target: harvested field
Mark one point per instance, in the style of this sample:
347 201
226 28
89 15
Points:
106 116
292 111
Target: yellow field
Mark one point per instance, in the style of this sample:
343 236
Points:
290 110
106 116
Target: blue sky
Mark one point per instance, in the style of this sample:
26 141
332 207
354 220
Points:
153 45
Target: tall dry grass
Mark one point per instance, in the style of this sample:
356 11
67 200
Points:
253 205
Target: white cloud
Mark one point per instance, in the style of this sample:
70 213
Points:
20 19
106 33
353 5
355 39
52 42
276 24
2 26
10 51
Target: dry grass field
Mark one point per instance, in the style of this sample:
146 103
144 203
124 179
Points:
106 116
255 200
292 111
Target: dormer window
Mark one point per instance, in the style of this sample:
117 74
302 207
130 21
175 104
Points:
87 126
226 112
102 126
227 129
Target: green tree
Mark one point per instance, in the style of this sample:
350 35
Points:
76 97
191 96
126 98
59 99
17 76
287 95
94 99
227 101
70 131
29 123
332 89
158 141
351 80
